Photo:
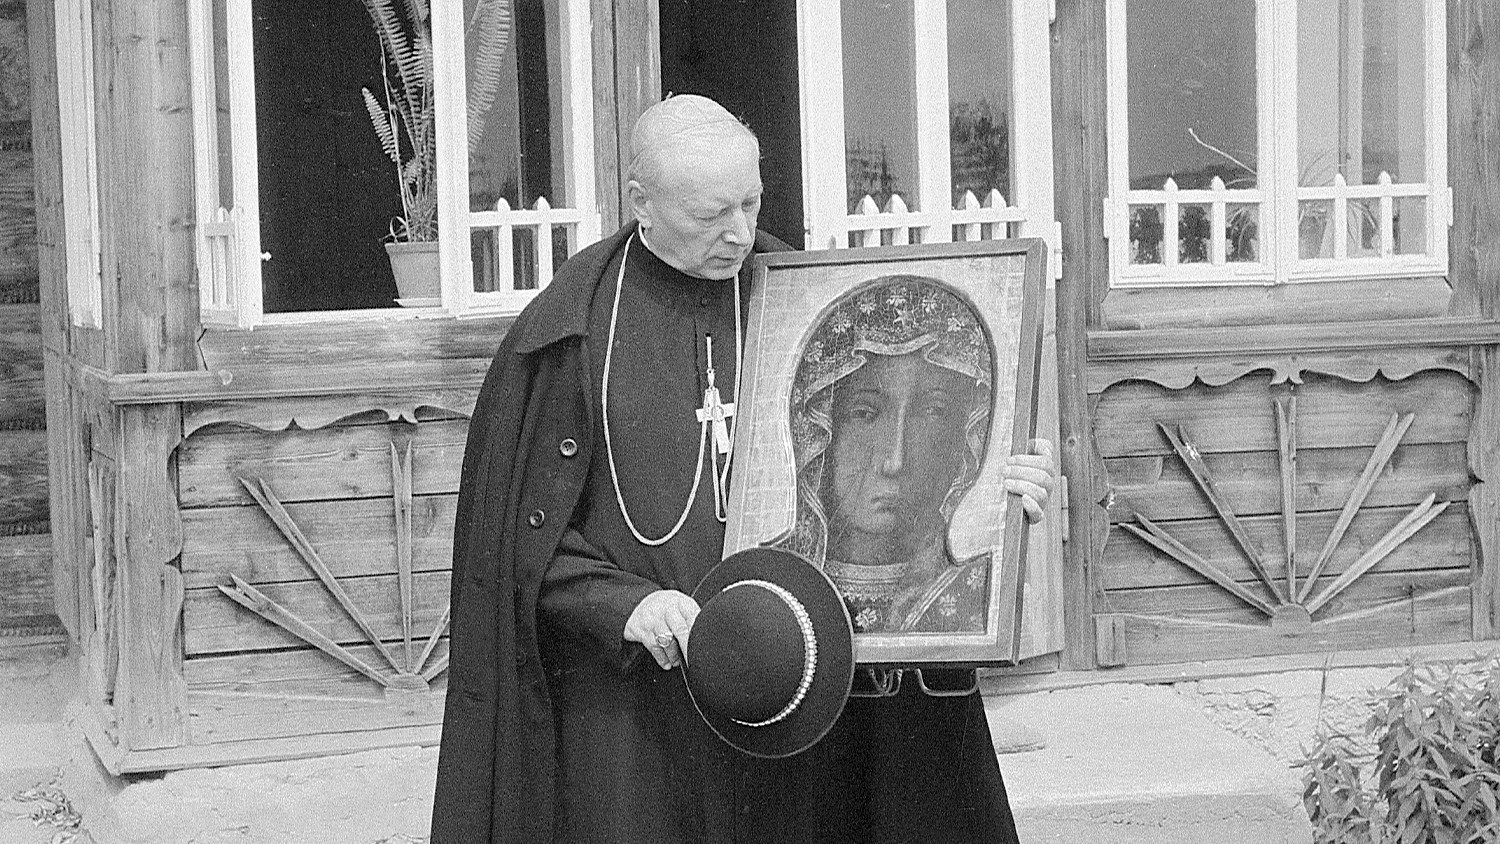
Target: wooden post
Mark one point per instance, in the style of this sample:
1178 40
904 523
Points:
1474 250
147 212
151 696
1078 145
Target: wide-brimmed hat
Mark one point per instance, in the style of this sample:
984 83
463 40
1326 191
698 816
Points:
770 659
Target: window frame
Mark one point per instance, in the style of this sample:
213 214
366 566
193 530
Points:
1278 195
79 145
228 239
1027 213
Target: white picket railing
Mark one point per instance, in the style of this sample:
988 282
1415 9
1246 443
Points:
221 281
1384 191
1170 201
897 225
502 222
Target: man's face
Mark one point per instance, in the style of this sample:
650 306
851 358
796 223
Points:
898 445
701 218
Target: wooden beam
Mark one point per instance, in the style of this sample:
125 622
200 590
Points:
1078 143
145 133
1380 457
1191 457
1286 435
1484 496
274 381
151 697
1474 157
1179 343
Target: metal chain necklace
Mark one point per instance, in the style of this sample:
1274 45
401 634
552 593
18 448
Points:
714 428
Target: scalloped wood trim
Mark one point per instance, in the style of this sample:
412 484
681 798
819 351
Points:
1358 366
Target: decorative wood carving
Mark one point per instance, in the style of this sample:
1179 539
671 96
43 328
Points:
411 673
1288 605
150 690
1359 366
279 414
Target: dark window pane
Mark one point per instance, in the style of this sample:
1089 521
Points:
880 121
979 101
1191 93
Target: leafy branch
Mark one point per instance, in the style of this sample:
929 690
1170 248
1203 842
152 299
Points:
405 121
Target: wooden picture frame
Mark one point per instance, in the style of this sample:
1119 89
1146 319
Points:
883 389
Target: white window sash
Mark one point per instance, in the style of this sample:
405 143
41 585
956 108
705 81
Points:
579 212
831 225
1278 189
80 167
228 244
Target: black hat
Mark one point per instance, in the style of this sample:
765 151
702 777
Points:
770 659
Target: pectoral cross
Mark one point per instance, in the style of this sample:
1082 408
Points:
714 409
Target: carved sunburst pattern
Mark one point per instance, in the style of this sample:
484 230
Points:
408 671
1292 599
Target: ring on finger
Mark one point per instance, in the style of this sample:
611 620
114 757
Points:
664 639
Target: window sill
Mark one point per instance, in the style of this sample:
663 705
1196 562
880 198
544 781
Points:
1226 305
354 343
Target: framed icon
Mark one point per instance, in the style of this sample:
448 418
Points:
883 390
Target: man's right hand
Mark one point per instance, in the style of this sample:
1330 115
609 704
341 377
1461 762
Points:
661 622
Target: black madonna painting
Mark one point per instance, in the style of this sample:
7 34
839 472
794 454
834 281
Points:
883 390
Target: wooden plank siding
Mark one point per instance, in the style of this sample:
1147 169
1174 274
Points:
22 397
23 478
355 537
247 678
1156 609
337 462
1131 564
1238 416
214 624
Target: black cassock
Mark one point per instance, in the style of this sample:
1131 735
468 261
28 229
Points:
635 762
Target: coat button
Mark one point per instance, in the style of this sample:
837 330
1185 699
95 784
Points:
568 447
536 519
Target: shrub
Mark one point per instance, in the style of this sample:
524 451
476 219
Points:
1432 775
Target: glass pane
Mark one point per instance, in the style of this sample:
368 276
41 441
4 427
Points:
1194 234
221 104
328 189
513 64
1364 228
1410 228
1361 90
1145 234
1191 93
1242 232
880 120
514 102
1314 237
979 102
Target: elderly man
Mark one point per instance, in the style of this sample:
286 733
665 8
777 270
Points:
591 503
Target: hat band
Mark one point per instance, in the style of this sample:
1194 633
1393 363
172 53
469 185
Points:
809 645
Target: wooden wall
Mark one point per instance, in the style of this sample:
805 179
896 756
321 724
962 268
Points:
1213 360
26 600
340 487
1156 608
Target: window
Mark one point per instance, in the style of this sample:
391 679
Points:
926 122
1273 141
296 192
80 165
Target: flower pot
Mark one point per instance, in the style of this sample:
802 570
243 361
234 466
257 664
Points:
415 266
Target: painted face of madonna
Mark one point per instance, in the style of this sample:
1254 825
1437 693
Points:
898 445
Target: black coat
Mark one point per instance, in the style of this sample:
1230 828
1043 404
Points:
497 768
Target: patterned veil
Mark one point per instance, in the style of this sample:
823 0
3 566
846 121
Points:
891 315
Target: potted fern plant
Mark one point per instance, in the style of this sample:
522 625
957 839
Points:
407 127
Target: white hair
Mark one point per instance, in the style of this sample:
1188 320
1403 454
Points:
675 123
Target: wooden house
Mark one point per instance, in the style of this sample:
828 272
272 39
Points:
1273 364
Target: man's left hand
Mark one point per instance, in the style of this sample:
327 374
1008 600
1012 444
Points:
1033 477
